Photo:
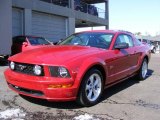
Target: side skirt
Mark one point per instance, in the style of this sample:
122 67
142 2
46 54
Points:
118 81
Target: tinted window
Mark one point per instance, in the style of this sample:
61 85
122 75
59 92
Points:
137 42
124 39
38 41
99 40
144 40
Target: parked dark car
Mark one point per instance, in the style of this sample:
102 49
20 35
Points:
23 43
92 10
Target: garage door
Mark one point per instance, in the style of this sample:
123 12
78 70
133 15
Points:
49 26
17 21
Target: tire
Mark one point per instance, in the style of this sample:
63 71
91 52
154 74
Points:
6 57
154 50
142 73
91 88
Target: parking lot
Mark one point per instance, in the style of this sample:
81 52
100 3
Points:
129 100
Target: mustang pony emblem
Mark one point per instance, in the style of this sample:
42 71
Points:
22 67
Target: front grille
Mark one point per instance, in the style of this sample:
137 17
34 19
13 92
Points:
26 91
26 69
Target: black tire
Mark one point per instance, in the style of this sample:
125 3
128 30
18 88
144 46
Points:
6 57
154 50
141 75
82 98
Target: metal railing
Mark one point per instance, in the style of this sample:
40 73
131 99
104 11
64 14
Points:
101 13
64 3
80 6
89 8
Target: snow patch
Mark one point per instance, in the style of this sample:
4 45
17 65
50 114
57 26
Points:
85 117
12 113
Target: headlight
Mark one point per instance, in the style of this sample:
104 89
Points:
12 65
63 72
37 70
59 72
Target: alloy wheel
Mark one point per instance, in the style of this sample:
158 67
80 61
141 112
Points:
93 87
144 69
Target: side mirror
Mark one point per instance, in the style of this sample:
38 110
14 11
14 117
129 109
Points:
25 44
121 46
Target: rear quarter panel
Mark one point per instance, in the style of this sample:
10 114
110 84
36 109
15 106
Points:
144 51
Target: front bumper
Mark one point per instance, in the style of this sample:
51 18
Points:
39 87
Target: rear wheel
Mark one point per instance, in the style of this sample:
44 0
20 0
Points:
91 88
143 70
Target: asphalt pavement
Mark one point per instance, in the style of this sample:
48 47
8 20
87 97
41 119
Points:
129 100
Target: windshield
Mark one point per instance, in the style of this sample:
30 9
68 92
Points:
38 41
99 40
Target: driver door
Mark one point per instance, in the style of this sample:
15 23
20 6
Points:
119 66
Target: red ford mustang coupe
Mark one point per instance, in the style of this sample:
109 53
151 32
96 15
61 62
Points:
79 68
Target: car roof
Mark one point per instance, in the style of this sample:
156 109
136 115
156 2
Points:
109 31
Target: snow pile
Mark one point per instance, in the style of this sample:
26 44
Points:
85 117
12 113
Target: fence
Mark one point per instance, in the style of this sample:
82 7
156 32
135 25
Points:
64 3
89 8
80 6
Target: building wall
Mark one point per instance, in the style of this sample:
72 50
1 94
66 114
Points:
5 26
17 21
50 26
69 13
17 15
54 20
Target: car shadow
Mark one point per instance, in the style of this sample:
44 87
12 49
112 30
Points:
59 105
149 73
123 85
73 105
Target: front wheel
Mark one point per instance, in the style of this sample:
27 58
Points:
142 74
154 50
91 88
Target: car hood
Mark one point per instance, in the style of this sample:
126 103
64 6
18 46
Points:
55 55
30 47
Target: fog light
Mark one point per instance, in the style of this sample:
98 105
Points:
54 86
67 86
60 86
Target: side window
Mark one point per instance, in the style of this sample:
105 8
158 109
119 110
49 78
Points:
129 40
144 40
124 39
137 42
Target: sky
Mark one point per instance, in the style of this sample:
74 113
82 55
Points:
134 16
